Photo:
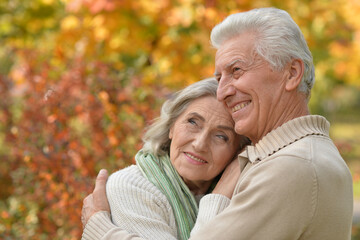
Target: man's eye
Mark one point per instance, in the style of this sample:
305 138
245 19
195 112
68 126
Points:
235 69
237 72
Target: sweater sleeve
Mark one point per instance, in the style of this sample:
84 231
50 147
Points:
210 206
100 226
139 211
140 207
274 200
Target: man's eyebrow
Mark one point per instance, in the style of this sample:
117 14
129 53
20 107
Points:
229 65
233 63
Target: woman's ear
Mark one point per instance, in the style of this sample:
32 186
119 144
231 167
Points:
171 133
296 72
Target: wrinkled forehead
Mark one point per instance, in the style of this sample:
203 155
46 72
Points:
239 47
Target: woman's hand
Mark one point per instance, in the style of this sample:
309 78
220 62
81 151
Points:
96 201
228 180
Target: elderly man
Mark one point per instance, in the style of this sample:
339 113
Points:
293 183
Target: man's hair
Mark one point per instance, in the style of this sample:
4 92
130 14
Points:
278 39
156 139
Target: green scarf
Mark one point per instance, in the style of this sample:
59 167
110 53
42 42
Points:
162 174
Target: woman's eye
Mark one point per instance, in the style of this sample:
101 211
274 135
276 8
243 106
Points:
192 121
223 137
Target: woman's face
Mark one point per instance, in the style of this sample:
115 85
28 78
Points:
203 142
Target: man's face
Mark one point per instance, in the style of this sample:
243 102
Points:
249 88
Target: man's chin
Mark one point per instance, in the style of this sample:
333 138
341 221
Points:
241 127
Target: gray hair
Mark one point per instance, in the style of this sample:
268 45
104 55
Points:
156 139
278 39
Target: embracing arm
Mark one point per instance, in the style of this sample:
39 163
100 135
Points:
213 204
138 209
100 225
139 206
95 215
271 201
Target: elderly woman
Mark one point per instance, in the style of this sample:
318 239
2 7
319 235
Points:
185 149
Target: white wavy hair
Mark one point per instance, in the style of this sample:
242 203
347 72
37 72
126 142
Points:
278 39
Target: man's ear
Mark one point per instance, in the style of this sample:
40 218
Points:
296 72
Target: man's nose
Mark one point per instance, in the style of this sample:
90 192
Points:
225 89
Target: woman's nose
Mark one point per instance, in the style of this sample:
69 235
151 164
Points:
200 142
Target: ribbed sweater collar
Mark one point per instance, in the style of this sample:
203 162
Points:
286 134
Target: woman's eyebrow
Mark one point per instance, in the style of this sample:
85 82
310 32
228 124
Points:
224 127
197 115
227 128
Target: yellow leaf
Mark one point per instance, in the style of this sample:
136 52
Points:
70 22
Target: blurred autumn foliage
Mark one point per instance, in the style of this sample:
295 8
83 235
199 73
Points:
81 79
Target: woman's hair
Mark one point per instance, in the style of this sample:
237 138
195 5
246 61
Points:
278 39
156 139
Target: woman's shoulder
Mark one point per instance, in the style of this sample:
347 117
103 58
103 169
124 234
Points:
131 171
130 175
130 179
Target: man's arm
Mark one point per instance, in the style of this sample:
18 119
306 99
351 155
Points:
273 200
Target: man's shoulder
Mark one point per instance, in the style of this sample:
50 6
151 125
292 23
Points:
307 146
285 163
314 149
306 158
